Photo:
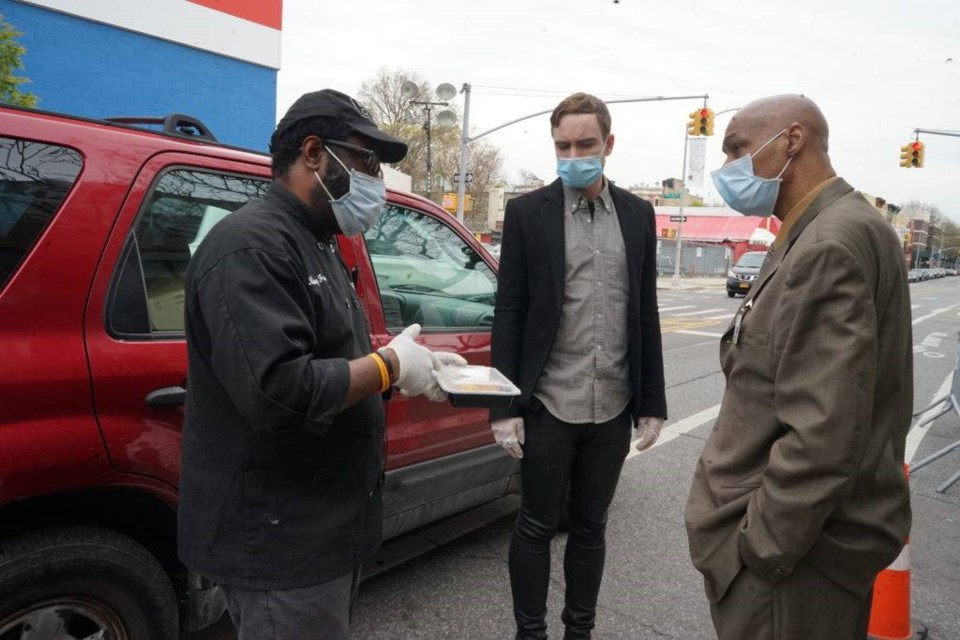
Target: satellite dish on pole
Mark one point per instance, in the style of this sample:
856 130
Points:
446 118
446 91
409 90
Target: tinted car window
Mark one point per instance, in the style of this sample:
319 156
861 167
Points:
184 205
34 180
428 274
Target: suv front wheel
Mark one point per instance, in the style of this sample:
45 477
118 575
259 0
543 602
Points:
83 582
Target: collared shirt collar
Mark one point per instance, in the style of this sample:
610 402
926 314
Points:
573 200
798 210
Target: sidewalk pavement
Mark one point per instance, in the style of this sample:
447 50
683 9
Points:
695 282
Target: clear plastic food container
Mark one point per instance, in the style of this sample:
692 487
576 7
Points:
476 386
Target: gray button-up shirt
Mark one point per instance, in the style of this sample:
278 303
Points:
586 378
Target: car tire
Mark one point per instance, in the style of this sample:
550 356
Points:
731 294
79 582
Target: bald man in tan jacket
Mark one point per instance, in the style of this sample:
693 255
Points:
799 498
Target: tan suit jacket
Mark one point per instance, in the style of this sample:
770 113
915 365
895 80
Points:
805 461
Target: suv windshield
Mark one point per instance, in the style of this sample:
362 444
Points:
752 259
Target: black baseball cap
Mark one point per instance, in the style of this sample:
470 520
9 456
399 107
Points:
333 104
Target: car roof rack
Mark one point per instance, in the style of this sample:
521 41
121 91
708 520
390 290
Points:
176 124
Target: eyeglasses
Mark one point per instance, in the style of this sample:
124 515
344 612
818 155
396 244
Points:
371 159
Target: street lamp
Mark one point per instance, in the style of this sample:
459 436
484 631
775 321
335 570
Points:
445 92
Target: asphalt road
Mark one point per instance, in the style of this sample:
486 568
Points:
650 590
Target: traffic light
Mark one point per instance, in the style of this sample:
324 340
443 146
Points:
706 119
911 155
701 122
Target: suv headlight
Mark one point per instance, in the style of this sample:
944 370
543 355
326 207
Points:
731 274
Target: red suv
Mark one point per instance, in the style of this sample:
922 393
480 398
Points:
98 220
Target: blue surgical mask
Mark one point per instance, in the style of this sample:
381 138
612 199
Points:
743 190
580 173
358 209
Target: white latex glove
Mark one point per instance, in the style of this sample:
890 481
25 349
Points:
509 434
416 364
648 430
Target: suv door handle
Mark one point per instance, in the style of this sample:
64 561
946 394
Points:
167 397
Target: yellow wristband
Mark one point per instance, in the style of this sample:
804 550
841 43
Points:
382 367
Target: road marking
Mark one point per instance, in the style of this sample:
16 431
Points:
724 317
915 435
914 306
696 313
688 306
935 312
670 325
677 429
687 332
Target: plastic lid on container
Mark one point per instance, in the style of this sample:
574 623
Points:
475 380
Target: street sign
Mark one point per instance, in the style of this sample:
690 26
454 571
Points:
456 177
698 154
671 196
678 218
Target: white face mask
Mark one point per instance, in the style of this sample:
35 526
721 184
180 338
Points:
358 209
743 190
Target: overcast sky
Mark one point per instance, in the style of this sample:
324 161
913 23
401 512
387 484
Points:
877 68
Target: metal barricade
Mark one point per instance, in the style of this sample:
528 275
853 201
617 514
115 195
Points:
950 403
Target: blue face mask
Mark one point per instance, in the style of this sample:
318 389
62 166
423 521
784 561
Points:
358 209
743 190
580 173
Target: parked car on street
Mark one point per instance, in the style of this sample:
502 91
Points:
741 276
98 221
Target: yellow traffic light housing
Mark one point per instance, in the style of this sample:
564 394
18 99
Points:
911 155
693 126
701 122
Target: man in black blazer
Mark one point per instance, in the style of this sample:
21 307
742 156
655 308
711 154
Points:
577 329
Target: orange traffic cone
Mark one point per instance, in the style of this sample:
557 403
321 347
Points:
890 611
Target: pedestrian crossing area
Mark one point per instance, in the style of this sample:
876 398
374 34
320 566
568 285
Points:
698 313
708 313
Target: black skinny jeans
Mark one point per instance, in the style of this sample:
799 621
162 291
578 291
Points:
587 458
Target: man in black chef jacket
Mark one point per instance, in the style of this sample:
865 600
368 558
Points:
284 432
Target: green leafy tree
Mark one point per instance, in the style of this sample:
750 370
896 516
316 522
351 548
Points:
11 53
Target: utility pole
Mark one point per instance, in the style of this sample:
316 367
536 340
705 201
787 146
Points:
445 92
428 109
940 251
464 144
683 174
